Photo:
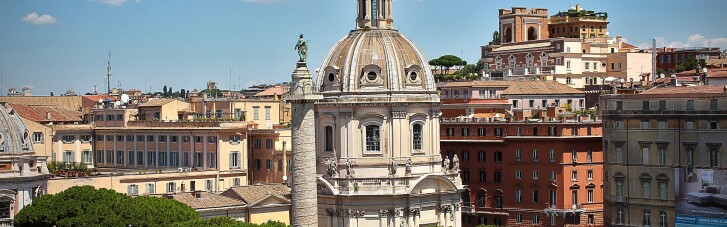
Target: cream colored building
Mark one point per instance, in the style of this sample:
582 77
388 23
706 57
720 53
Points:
264 114
23 174
376 132
663 148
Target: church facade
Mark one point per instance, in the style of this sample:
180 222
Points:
376 130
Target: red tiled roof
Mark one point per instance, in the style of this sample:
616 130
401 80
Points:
625 45
717 73
277 90
47 113
685 90
95 98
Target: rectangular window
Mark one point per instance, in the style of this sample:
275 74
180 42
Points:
162 139
208 185
140 158
267 113
646 189
498 132
536 219
690 104
644 124
574 175
133 190
518 174
86 156
185 159
235 159
171 187
256 113
646 218
483 176
713 125
110 157
268 143
535 155
619 155
162 158
498 156
120 157
498 176
645 105
450 131
68 139
174 158
713 104
552 175
465 132
552 155
662 105
689 125
197 159
518 155
589 155
465 156
150 189
663 190
481 131
481 156
212 160
38 137
466 176
589 174
68 157
150 138
236 182
130 158
151 158
518 217
256 143
173 139
140 138
662 219
212 139
192 185
645 155
518 195
536 175
536 196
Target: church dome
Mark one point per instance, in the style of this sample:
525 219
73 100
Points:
14 137
375 59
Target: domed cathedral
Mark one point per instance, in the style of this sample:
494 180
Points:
377 131
23 175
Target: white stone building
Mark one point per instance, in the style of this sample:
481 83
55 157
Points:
376 134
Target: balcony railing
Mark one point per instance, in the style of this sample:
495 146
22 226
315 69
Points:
381 185
618 199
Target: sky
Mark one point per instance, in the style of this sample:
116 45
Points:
53 46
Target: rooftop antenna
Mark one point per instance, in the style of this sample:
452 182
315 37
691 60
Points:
108 74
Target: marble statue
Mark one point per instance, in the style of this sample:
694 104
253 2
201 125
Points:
445 164
392 167
349 169
302 48
407 169
455 164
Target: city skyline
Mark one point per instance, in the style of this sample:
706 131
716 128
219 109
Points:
55 46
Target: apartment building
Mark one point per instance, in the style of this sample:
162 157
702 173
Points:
522 99
527 173
664 163
579 23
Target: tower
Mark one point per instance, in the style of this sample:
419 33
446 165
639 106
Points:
374 14
521 24
303 181
108 75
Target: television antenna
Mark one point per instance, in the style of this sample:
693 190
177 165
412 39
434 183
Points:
108 74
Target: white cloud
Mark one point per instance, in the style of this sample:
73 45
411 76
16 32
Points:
36 19
695 40
114 2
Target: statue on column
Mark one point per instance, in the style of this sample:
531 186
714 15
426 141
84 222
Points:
407 170
455 164
302 48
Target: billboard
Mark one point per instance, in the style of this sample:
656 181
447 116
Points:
701 197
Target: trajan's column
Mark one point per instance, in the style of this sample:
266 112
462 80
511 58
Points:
303 99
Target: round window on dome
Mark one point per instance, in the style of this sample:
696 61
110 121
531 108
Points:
413 76
371 76
331 77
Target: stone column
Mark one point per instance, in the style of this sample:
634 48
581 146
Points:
303 182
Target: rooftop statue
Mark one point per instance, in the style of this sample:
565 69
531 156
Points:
302 48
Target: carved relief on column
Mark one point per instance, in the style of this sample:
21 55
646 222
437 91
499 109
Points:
383 213
445 208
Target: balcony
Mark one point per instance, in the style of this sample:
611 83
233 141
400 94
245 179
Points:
618 199
379 185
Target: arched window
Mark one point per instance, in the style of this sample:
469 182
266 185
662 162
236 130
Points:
532 35
328 139
416 136
508 35
568 80
498 199
373 139
482 198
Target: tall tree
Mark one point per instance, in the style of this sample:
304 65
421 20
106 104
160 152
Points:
170 92
85 205
183 93
164 93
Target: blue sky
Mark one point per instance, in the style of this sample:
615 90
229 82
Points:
58 45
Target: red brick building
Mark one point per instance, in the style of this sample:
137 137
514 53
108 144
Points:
667 57
544 173
270 155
